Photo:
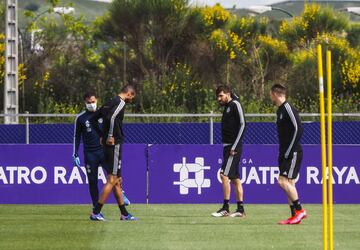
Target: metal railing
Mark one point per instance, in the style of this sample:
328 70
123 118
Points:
210 117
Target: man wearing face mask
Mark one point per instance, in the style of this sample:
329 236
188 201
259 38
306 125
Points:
112 138
93 151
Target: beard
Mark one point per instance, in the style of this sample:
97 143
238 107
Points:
222 103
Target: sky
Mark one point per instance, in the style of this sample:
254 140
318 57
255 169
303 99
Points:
228 3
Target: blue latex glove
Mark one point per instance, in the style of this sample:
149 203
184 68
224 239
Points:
126 200
76 160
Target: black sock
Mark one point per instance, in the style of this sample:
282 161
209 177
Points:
94 192
123 210
292 210
240 206
297 205
97 208
226 204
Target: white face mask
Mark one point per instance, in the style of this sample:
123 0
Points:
91 107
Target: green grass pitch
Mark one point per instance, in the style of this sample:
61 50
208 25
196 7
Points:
171 227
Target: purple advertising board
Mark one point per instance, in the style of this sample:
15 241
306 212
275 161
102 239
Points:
44 174
190 174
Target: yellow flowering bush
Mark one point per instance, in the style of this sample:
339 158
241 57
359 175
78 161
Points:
219 38
228 42
301 56
22 74
21 67
313 22
2 57
277 46
350 69
245 27
311 12
347 58
179 91
215 16
233 41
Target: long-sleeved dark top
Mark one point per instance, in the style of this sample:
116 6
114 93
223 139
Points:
233 124
289 129
112 114
84 130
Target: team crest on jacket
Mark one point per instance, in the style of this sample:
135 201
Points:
88 128
228 110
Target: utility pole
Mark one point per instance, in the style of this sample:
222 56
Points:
11 87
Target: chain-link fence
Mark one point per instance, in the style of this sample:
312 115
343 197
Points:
177 129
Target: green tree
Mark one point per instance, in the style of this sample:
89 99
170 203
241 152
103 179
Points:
324 26
314 21
252 60
2 16
353 35
65 63
158 34
176 54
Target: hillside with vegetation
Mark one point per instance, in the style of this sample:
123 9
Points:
175 55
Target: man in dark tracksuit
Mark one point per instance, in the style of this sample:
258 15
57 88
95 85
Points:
93 151
112 138
232 128
290 131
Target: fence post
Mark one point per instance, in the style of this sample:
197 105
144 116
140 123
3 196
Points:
211 128
27 128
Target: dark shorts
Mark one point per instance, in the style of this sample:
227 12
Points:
230 166
112 163
93 160
290 167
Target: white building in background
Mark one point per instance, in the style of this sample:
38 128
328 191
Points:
64 10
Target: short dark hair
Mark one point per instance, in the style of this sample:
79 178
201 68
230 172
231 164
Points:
89 94
128 88
223 88
279 89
